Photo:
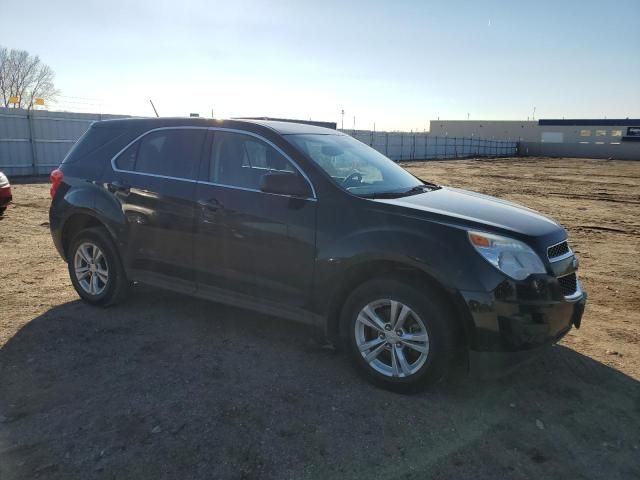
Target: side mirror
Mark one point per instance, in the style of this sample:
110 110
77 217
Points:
285 184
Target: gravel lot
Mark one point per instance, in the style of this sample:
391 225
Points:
171 387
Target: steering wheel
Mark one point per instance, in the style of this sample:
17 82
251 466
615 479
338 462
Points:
353 177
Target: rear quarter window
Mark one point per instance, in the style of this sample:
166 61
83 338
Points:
127 159
93 139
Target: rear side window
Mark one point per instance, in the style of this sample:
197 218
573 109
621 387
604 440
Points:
170 153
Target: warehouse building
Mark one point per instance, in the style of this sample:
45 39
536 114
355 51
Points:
589 138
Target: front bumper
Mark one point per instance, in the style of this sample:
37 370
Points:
521 324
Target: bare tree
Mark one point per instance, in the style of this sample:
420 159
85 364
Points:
24 76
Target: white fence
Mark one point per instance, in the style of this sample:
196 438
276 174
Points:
34 143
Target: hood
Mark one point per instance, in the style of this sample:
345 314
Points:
481 209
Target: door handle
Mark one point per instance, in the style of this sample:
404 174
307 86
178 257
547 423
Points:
209 210
118 186
212 204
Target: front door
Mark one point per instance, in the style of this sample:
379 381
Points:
256 244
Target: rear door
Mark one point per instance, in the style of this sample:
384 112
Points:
155 181
252 243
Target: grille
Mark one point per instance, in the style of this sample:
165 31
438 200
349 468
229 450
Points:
568 284
558 250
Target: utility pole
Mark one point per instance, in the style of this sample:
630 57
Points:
354 122
342 124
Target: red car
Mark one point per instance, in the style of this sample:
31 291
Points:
5 192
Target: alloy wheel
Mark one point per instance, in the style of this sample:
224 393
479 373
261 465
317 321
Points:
392 338
91 268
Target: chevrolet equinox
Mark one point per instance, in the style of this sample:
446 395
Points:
309 224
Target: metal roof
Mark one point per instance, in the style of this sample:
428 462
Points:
280 127
332 125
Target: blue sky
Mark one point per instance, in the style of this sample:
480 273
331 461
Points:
396 63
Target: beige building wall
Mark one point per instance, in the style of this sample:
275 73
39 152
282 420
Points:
553 138
490 129
528 131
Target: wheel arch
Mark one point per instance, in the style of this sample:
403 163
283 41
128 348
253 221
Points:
362 272
77 221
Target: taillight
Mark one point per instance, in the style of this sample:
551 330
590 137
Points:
56 179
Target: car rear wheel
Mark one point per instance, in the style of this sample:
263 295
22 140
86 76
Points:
95 268
399 337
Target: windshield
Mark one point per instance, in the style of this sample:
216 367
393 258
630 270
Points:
356 167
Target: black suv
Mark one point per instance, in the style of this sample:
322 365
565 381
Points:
310 224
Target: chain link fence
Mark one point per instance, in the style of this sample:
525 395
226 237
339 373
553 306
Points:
409 146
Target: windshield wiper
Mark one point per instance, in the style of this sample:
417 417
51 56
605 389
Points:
382 195
412 191
418 189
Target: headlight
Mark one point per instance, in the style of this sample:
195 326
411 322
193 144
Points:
510 256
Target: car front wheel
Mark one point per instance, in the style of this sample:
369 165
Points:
400 337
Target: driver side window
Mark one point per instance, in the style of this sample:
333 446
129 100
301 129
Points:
240 160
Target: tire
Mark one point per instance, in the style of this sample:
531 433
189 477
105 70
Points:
424 344
92 257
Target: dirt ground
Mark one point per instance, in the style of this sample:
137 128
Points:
166 386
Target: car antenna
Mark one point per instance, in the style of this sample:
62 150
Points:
154 107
